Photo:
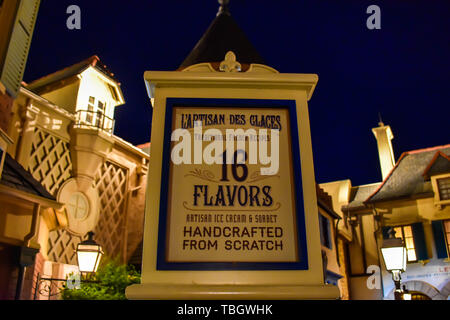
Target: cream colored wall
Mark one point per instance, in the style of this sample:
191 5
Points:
65 97
135 197
15 217
371 248
42 237
340 193
360 291
29 114
411 211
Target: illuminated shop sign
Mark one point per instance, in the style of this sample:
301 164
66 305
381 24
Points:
231 196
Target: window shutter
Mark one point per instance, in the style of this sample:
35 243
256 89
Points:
419 241
439 239
19 45
322 238
385 231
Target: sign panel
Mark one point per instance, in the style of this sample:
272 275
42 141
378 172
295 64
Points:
231 194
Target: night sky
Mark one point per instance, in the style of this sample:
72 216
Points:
401 71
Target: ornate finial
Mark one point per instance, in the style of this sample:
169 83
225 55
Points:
223 9
381 124
230 64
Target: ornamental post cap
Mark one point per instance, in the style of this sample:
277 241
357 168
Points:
223 9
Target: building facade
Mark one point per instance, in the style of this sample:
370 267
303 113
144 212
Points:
413 200
62 133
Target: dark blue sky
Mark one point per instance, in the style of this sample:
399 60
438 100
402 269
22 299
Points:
401 71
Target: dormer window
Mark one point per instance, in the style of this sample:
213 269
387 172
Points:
443 185
441 189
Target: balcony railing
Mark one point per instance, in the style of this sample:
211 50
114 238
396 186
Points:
94 120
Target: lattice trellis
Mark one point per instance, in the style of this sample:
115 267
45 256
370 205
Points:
50 161
51 165
111 183
62 246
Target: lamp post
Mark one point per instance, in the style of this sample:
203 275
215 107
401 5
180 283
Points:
394 255
89 254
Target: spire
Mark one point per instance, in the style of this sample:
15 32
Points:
223 35
383 134
223 9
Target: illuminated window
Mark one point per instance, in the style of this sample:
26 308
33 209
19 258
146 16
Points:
405 232
100 114
90 110
444 188
95 113
446 224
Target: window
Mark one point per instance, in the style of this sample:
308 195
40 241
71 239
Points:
444 188
114 94
446 225
100 114
406 233
95 113
325 231
78 206
90 113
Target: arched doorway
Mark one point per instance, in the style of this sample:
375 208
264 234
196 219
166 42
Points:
420 290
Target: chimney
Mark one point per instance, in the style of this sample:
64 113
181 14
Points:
384 135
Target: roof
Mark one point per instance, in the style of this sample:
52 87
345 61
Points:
325 201
438 165
406 179
69 72
15 176
223 35
358 195
145 147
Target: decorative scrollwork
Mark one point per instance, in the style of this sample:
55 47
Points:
202 174
48 287
257 176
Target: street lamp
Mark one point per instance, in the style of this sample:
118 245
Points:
394 255
89 254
